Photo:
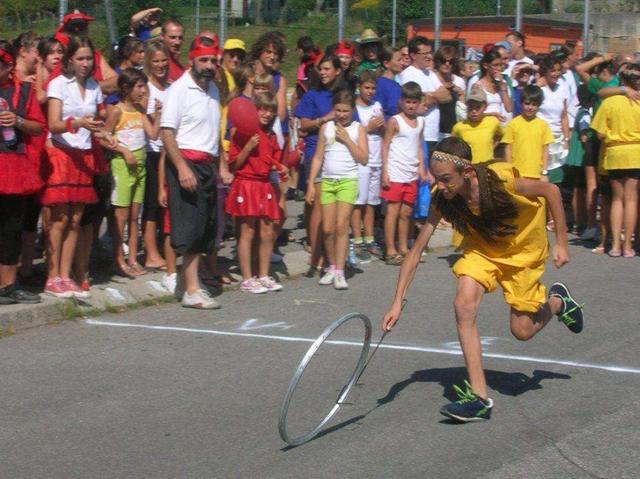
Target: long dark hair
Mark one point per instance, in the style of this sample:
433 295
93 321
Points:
497 206
488 58
75 44
314 77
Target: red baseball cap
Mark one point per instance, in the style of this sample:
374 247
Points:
76 15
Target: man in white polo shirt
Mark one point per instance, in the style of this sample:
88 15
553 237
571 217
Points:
421 53
190 128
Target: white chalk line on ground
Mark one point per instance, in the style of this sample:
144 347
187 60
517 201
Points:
296 339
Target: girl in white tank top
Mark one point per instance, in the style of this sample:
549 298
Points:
342 144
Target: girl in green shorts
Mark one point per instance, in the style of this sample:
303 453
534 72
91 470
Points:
342 144
130 125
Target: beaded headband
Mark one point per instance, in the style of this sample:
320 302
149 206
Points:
449 158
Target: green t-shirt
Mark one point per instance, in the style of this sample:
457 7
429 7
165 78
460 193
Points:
595 85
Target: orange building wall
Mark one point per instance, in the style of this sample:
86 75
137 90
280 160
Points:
539 39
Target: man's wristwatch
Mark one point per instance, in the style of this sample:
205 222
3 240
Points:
19 121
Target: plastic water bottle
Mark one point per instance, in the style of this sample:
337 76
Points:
352 260
8 133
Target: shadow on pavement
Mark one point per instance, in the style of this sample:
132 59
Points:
509 384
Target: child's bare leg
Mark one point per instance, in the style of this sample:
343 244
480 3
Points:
56 224
468 296
170 255
133 233
267 238
617 190
525 325
247 227
356 220
314 229
343 213
121 215
390 222
605 220
591 194
630 212
70 240
403 227
369 217
329 232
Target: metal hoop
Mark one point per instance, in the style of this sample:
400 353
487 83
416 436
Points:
362 361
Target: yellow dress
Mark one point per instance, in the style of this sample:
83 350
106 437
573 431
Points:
515 262
618 120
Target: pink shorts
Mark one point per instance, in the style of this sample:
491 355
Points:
401 192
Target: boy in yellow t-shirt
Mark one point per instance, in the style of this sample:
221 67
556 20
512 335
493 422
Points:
480 132
528 137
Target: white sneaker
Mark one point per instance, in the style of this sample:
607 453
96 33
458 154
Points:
340 282
327 279
276 258
270 283
589 234
252 285
201 299
169 281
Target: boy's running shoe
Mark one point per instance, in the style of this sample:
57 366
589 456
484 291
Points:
469 407
362 255
571 312
352 258
374 250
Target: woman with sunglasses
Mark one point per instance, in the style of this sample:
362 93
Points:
444 60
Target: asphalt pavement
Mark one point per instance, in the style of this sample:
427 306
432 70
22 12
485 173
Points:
165 392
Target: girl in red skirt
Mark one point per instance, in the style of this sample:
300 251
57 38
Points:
75 113
252 199
20 122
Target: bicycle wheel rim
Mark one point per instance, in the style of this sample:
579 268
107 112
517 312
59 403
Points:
362 360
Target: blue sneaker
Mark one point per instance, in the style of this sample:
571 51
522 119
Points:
469 407
571 312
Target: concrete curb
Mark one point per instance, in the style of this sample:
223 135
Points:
120 294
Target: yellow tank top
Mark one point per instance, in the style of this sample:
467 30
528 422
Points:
130 130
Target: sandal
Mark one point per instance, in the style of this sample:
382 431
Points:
123 270
137 269
598 250
629 254
615 253
394 260
155 269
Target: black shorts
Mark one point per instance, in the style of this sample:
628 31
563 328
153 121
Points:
151 207
95 213
193 214
12 210
632 173
574 176
591 151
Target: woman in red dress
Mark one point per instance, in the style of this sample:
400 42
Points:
20 121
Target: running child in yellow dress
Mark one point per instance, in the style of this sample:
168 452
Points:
502 219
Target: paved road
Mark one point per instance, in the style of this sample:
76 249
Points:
196 395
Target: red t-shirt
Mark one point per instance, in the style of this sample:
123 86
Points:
262 159
175 69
